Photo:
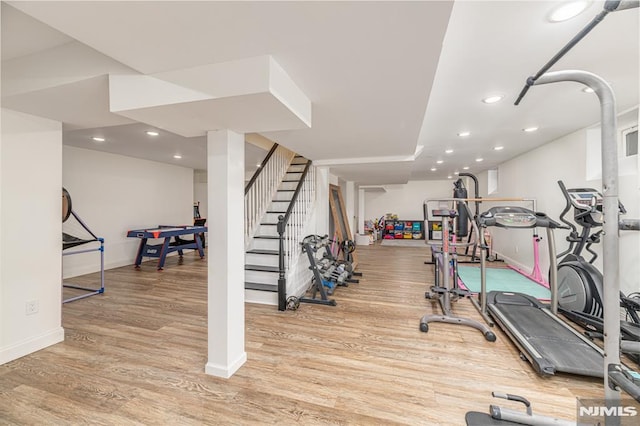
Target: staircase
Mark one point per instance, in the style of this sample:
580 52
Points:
262 256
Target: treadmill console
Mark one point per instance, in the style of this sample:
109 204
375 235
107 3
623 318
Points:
516 217
509 217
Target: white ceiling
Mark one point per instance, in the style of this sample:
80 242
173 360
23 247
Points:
383 78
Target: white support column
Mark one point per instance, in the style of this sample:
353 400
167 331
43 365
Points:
225 164
322 197
361 211
350 201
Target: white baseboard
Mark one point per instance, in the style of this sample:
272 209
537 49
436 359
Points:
511 262
225 371
30 345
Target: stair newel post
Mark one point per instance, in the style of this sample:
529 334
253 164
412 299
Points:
282 281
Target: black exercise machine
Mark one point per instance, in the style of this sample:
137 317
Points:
443 291
544 339
616 377
580 289
328 271
70 241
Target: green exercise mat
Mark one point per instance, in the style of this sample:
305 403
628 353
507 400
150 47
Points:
502 279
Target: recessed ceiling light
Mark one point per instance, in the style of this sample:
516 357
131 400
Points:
498 148
439 162
465 168
449 177
530 129
479 160
463 134
448 151
568 10
152 133
177 156
97 139
258 165
492 99
433 169
587 90
456 173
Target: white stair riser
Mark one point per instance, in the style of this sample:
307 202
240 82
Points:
296 168
293 175
261 277
271 217
267 230
279 206
288 185
264 244
261 259
285 196
262 297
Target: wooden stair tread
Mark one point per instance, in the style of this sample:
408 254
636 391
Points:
261 287
263 251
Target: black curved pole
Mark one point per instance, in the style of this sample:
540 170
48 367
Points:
476 191
609 6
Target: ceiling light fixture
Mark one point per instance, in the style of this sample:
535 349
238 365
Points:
177 156
530 129
479 160
97 139
465 168
152 133
258 165
433 169
492 99
449 177
588 90
439 162
498 148
464 134
448 151
568 10
456 173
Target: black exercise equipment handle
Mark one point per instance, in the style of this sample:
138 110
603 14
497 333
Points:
495 410
567 207
476 191
618 377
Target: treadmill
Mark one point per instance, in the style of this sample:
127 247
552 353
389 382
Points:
545 340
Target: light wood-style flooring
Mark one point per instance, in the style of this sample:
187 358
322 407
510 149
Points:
136 356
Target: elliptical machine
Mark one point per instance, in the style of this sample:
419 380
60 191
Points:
580 284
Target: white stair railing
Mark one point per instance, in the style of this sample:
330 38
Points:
261 188
291 227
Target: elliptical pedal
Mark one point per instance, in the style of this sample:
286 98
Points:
458 292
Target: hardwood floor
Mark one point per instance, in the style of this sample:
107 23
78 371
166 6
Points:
136 355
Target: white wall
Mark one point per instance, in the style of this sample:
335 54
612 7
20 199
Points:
30 248
535 174
200 192
405 200
113 194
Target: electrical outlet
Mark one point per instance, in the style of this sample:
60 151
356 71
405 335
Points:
31 307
